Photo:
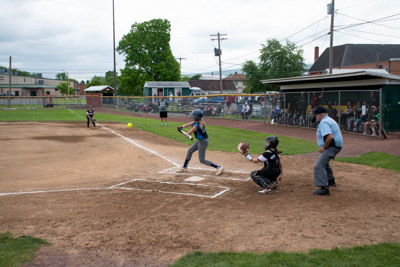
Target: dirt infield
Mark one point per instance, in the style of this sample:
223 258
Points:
110 197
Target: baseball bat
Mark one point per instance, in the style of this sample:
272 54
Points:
185 134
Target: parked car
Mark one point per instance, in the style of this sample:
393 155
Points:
200 100
217 99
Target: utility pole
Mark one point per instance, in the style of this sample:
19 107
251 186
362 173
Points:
68 89
331 10
115 66
180 62
9 90
218 53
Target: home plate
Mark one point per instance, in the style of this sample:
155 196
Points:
194 179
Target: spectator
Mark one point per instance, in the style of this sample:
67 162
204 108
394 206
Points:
179 94
372 122
332 112
229 103
217 110
315 101
245 111
348 113
358 110
373 101
301 104
170 97
208 110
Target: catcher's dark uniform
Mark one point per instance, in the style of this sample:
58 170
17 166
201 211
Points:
90 117
271 170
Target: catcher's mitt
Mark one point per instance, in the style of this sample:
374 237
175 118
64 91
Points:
93 120
243 147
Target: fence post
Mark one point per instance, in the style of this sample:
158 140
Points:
380 119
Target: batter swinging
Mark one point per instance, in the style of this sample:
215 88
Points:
199 130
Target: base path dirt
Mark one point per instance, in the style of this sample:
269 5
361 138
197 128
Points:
111 197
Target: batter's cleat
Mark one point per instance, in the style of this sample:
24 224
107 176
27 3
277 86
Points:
220 170
180 170
264 191
323 191
332 183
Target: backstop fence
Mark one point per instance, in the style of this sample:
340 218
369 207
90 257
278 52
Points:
355 111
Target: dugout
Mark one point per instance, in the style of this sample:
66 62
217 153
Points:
346 85
98 96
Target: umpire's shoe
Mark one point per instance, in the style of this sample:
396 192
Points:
323 191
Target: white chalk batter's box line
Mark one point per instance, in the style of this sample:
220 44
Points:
172 170
223 189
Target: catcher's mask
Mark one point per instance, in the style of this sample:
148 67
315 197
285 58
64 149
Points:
271 142
197 114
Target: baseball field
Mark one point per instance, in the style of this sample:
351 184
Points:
110 196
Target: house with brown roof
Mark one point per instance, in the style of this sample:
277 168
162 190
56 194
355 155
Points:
356 56
238 80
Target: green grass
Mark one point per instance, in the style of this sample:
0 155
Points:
375 159
384 254
221 138
15 251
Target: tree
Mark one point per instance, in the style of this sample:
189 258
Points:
63 87
148 56
95 81
254 77
109 78
276 61
196 77
62 76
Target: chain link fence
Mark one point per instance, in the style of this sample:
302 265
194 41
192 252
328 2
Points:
355 111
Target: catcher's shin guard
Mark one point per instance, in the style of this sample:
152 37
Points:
262 182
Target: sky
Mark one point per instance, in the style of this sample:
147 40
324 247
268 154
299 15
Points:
76 36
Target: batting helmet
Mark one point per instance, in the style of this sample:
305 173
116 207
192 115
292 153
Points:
197 114
272 140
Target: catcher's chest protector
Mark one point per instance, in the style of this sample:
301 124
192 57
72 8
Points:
272 159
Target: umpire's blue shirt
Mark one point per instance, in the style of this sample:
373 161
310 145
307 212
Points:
329 126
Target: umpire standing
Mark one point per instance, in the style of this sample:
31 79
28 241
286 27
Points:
330 142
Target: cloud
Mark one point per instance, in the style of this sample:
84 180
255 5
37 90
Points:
77 35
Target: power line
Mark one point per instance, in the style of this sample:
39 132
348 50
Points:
304 28
368 22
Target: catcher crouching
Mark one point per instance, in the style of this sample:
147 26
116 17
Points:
267 177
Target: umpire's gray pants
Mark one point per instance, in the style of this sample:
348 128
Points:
322 170
201 146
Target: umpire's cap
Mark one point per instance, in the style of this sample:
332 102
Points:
320 110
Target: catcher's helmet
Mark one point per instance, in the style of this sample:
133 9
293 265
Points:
272 140
197 114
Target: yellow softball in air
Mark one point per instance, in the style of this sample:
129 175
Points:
129 125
